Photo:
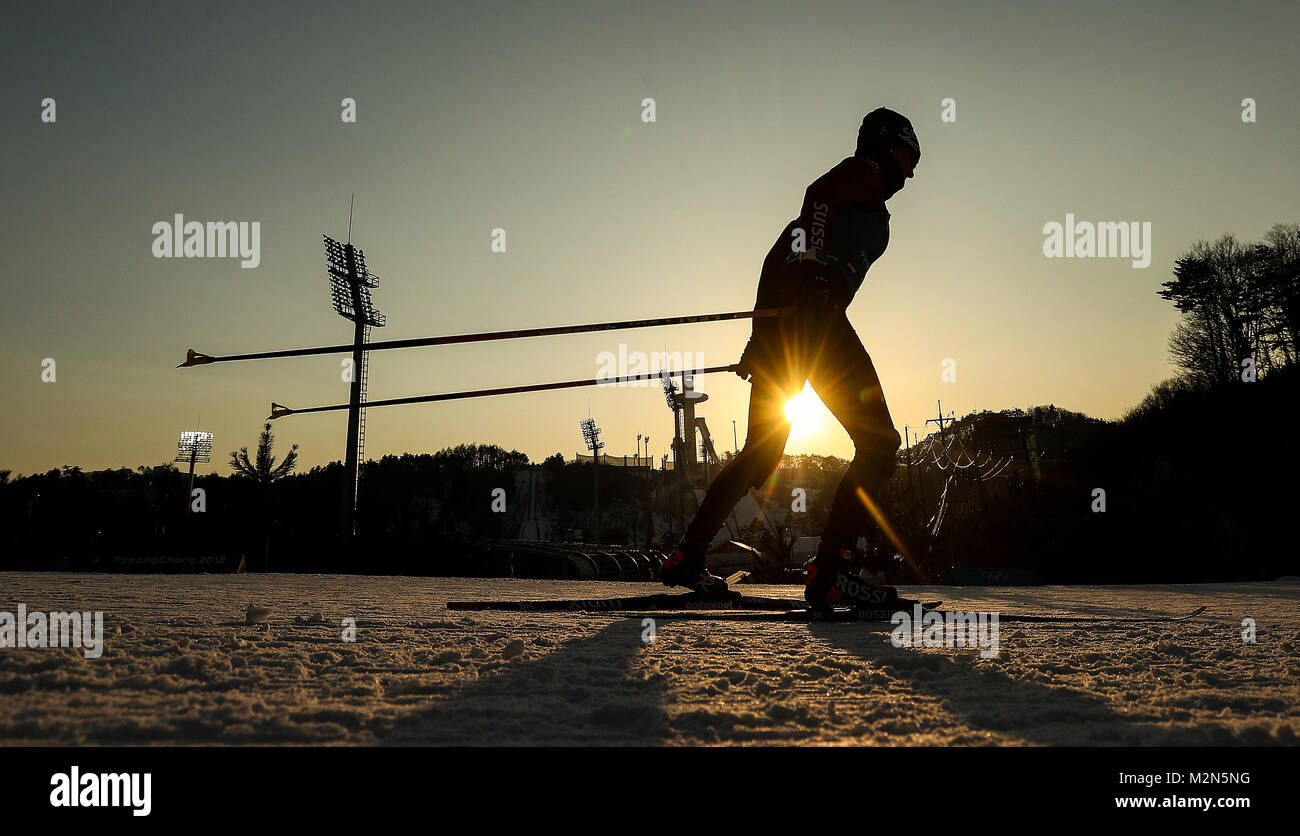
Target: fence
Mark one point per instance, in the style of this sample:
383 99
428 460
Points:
617 461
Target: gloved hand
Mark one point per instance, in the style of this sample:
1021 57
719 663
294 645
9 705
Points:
745 365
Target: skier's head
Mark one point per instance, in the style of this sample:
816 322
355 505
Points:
887 135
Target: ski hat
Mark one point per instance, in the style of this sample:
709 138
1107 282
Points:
883 125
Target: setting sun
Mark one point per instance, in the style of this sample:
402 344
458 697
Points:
804 411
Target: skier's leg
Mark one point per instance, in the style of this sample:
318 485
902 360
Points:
764 442
778 370
846 381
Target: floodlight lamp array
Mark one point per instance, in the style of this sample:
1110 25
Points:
351 280
196 444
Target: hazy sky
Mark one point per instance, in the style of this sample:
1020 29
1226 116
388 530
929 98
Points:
527 116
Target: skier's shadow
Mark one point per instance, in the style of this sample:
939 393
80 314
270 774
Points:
986 698
580 693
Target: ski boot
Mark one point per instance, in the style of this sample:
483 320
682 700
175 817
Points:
682 568
830 582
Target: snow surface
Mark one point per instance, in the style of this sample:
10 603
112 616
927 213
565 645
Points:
181 666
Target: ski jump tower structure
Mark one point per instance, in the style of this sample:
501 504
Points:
350 284
687 452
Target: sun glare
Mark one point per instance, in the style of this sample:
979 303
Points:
804 412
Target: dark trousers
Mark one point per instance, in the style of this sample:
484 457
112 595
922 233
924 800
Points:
821 348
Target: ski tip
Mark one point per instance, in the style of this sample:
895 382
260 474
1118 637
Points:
467 605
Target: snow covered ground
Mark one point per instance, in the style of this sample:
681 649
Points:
180 666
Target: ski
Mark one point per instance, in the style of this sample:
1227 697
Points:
682 606
886 616
635 603
665 603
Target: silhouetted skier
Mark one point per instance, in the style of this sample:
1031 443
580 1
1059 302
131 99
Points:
814 269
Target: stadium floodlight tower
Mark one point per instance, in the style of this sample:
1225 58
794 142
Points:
350 284
591 435
193 447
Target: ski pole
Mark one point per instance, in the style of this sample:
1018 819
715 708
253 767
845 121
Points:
279 410
196 358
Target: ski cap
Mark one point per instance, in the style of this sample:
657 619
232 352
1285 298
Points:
882 126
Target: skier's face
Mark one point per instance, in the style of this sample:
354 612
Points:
903 156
